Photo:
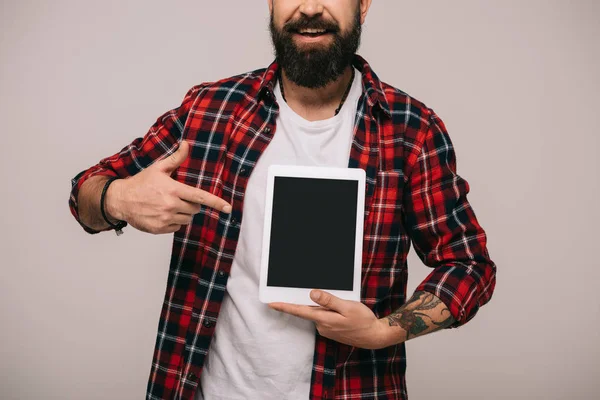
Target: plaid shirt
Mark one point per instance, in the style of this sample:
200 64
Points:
412 193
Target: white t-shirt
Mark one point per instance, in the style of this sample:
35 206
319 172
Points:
257 352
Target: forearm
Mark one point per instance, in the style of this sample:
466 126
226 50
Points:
89 202
423 313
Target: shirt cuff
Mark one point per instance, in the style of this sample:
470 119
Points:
456 289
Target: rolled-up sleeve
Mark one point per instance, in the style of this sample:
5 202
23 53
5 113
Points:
161 140
444 230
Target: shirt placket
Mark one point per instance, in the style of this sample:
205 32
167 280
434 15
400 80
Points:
216 269
364 154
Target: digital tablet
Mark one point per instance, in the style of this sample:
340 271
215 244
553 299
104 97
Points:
313 233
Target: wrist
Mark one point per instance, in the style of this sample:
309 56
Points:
390 335
113 201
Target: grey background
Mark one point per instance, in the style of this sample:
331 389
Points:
516 83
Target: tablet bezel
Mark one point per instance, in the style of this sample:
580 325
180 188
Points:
269 294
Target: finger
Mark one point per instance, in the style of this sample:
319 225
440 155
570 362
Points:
187 207
330 301
200 196
170 163
305 312
172 228
182 219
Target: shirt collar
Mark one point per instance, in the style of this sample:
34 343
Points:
372 86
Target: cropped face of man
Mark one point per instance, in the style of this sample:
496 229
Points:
314 40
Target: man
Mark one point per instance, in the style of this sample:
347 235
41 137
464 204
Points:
200 173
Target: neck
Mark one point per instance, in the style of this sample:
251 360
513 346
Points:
316 101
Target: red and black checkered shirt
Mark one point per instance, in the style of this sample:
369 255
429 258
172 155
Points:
413 193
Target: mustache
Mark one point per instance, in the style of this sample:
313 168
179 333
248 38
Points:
311 23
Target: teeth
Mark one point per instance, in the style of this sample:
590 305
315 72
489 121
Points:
312 30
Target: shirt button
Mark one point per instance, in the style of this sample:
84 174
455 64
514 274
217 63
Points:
267 130
221 273
191 376
207 323
243 171
233 221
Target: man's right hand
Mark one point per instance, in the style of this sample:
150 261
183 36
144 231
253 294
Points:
151 201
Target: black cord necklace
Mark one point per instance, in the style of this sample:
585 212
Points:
337 110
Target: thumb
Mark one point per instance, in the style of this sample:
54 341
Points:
328 300
170 163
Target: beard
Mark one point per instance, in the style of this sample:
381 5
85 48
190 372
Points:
315 66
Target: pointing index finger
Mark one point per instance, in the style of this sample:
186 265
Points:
195 195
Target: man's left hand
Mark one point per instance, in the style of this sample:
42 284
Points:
345 321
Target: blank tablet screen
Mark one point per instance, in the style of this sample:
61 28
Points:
313 233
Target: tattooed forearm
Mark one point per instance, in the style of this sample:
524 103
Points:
423 313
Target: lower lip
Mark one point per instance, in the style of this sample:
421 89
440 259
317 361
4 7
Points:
310 39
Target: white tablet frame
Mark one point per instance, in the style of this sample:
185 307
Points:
268 294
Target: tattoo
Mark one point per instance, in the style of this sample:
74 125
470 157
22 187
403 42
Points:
414 321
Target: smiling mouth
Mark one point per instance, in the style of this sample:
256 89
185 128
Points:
313 33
